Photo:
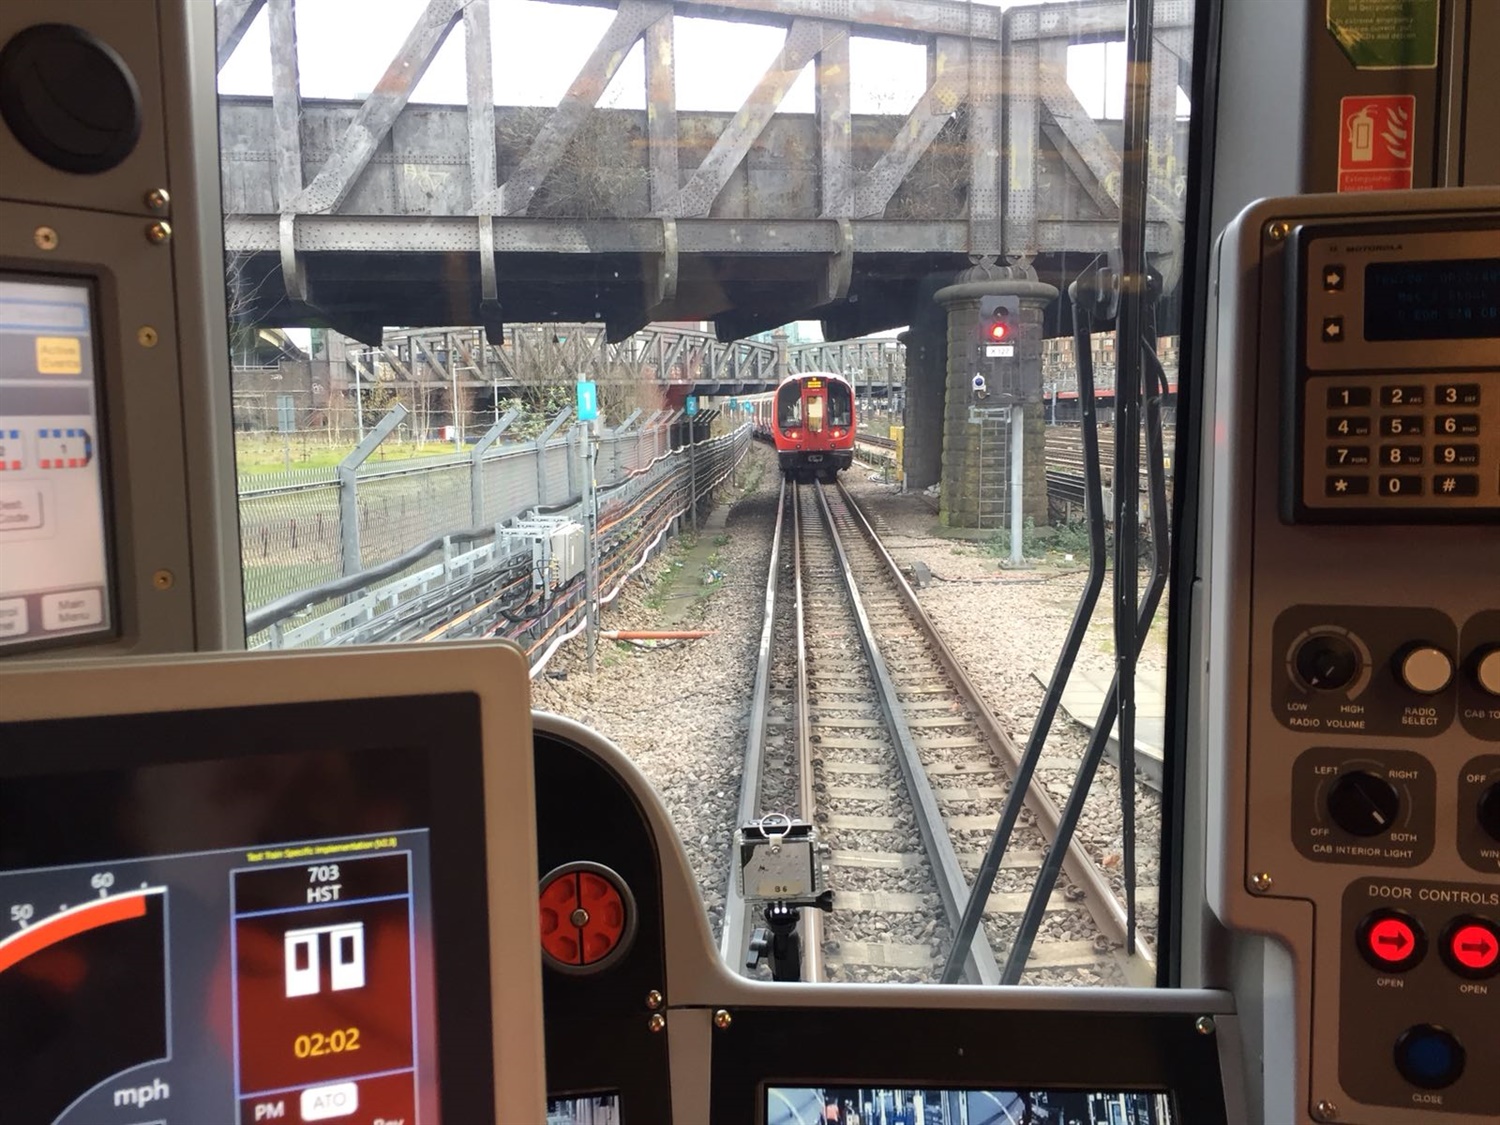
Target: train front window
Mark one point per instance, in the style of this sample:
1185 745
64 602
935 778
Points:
516 291
789 406
840 405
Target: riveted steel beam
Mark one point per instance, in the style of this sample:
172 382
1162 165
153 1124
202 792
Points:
835 129
630 22
479 74
661 116
232 18
949 62
805 40
728 237
985 109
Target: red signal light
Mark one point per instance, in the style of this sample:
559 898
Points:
999 330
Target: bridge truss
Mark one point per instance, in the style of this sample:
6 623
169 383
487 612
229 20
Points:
358 214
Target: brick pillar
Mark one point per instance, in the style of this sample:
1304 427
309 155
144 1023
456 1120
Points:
976 441
926 342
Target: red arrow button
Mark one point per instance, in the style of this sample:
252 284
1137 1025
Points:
1474 946
1390 940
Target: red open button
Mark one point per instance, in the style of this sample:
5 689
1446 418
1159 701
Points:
1391 941
1471 947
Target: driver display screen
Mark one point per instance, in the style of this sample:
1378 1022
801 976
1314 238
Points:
876 1105
54 572
149 973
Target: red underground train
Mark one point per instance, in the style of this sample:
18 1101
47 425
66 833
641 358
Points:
810 419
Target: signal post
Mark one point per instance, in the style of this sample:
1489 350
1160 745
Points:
994 437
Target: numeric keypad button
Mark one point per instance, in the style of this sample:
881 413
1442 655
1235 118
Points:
1456 425
1456 394
1345 456
1348 398
1400 454
1456 484
1346 485
1401 425
1455 455
1348 425
1402 396
1400 484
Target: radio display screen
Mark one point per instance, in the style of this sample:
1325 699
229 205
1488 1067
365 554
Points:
53 564
1455 299
252 938
848 1104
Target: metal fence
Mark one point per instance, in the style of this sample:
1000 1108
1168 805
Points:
305 528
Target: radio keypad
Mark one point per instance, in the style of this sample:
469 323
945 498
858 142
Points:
1432 455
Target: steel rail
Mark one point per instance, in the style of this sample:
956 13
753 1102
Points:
1099 898
812 919
734 937
953 888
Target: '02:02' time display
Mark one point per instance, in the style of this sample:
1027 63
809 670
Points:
333 1043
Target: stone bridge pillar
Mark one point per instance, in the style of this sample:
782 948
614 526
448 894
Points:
976 470
926 344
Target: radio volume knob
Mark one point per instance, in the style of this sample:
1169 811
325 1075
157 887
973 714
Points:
1424 668
1362 804
1326 662
1487 671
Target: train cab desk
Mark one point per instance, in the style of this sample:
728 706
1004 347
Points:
318 891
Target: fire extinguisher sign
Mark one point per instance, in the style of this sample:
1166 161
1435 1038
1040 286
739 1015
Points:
1376 135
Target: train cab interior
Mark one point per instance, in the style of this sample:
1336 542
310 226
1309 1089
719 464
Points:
1116 741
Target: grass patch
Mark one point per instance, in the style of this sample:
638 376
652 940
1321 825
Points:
261 455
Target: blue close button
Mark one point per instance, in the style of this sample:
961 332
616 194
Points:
1429 1056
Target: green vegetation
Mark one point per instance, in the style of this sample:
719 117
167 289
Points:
1045 543
270 453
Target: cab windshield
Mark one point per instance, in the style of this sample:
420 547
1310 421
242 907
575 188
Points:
514 289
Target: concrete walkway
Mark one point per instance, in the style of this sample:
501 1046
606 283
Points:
1084 697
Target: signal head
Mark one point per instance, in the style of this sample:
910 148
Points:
998 319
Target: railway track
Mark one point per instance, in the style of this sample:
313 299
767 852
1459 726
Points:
865 724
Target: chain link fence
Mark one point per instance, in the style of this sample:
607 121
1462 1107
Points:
308 527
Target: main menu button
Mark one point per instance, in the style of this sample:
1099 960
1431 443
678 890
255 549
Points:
74 609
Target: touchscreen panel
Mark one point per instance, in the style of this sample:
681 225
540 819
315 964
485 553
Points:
53 567
251 938
875 1105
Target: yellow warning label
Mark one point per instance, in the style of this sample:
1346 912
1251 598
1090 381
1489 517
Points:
59 355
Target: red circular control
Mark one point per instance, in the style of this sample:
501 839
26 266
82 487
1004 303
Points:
1472 947
1391 941
586 916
